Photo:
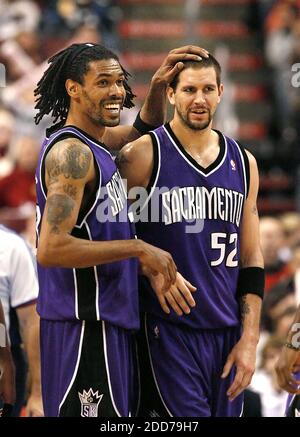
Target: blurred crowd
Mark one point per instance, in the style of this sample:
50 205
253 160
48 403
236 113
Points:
31 31
278 22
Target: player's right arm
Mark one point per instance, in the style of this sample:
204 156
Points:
135 163
69 168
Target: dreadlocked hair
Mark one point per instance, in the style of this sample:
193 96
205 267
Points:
70 63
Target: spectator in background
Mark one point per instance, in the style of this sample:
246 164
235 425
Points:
18 16
272 242
7 371
65 16
291 227
279 308
288 367
7 124
17 263
264 382
17 190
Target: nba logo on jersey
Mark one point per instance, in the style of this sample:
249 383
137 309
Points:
232 163
89 403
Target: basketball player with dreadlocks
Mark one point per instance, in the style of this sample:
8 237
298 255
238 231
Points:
88 265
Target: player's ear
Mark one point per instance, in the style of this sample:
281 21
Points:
72 88
170 95
220 92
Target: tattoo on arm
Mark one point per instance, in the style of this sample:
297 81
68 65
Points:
72 162
254 210
244 307
70 190
59 208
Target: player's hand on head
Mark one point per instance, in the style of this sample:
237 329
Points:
178 297
172 63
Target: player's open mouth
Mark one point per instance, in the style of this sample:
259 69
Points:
198 111
113 108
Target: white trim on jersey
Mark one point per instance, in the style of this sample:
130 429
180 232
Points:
95 202
242 410
96 279
107 370
152 368
157 174
243 164
76 294
76 367
288 405
191 164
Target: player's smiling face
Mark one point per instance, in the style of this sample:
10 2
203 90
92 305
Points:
196 97
103 92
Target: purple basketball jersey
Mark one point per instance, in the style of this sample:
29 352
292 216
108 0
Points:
196 216
104 292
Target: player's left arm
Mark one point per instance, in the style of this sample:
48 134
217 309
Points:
29 326
250 291
153 111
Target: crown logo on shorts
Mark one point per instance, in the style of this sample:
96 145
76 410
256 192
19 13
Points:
89 403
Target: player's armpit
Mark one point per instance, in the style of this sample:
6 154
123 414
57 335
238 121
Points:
116 137
135 162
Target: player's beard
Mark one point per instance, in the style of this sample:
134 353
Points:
97 116
193 124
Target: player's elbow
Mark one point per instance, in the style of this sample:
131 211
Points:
43 257
48 254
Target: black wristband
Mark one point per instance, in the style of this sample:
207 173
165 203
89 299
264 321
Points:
251 281
142 127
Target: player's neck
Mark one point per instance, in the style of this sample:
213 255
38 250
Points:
85 124
191 139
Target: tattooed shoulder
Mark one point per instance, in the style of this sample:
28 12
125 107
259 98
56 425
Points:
69 158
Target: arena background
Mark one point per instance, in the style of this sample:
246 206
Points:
258 46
